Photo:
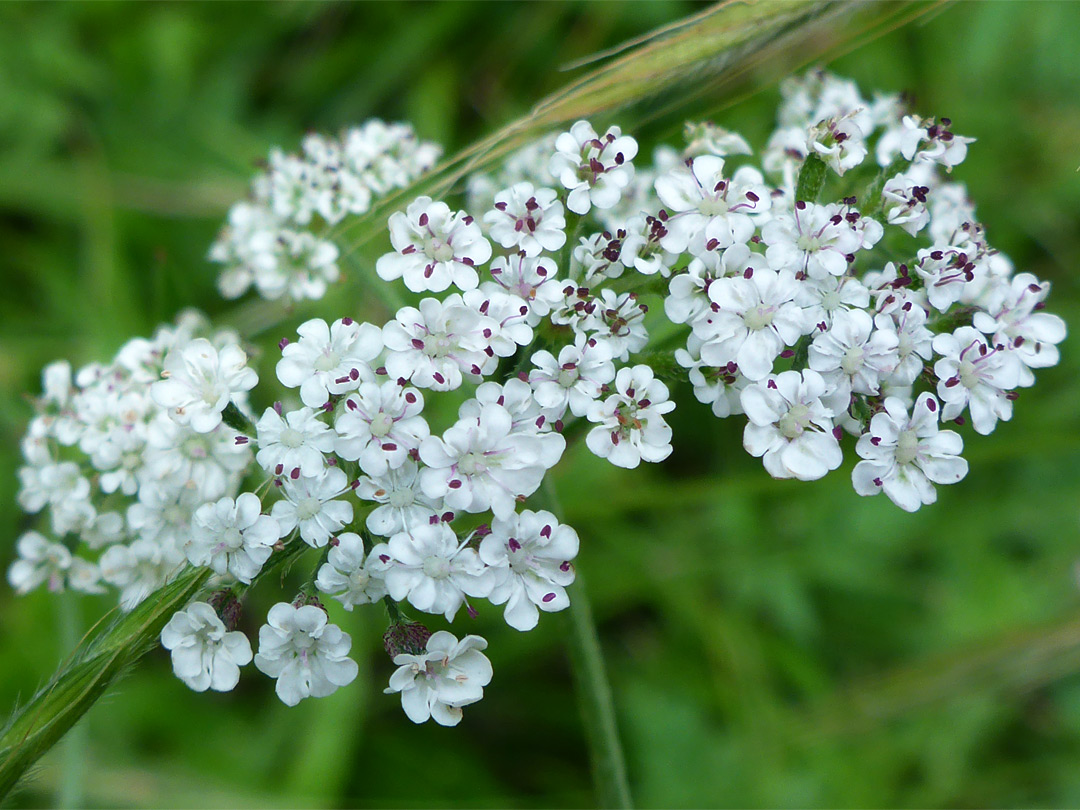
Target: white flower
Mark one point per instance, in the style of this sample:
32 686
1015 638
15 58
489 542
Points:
483 463
903 201
630 423
594 169
402 503
51 484
434 345
790 429
815 240
297 440
232 536
839 142
699 200
200 381
706 138
205 655
905 457
530 553
689 291
437 683
329 359
206 465
619 321
434 248
433 570
528 219
914 341
39 561
943 146
946 273
310 505
641 246
822 298
753 317
307 656
854 354
350 575
1017 320
717 387
379 425
573 380
596 259
530 279
84 576
976 374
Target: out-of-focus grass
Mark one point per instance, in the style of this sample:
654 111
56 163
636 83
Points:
770 643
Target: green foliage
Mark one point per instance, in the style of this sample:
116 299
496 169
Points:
770 643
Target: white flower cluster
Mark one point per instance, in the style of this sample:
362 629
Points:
816 293
881 313
280 240
123 462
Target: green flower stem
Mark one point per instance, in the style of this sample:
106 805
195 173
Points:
593 690
811 178
597 706
96 663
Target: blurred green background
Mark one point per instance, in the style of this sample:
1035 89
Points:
769 643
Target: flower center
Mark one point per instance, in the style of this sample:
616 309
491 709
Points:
758 317
713 206
907 447
381 425
232 538
360 579
568 377
436 345
437 567
439 250
794 423
327 361
292 438
969 374
307 508
400 498
471 464
808 243
852 360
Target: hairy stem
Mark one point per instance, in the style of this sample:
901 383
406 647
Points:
73 755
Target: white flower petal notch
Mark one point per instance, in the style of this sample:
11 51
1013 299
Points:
438 682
